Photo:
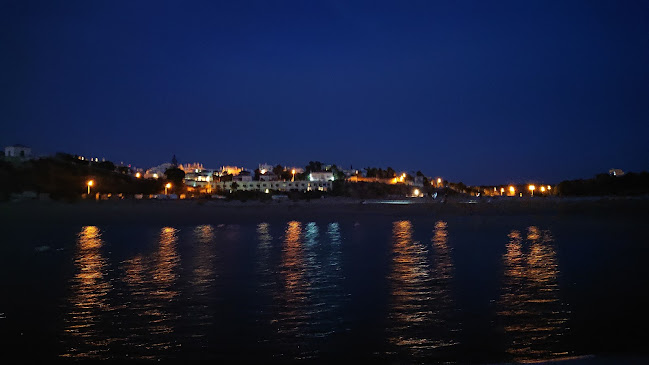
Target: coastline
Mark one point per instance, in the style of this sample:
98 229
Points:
196 211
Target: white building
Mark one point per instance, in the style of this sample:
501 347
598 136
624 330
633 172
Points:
157 171
18 151
199 178
242 176
616 172
268 176
268 186
264 168
321 176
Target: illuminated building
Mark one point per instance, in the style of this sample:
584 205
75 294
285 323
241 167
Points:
321 176
191 167
230 170
158 171
274 185
615 172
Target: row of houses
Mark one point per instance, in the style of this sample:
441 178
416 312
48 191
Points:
268 186
230 178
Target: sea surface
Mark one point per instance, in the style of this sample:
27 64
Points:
387 290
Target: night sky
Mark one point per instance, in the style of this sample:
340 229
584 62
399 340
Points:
481 92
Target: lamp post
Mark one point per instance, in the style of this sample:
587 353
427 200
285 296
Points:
532 187
293 172
168 186
512 190
502 190
90 183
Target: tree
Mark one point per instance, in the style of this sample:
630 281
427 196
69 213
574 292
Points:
174 161
391 173
176 176
106 165
313 167
234 186
338 173
278 170
123 169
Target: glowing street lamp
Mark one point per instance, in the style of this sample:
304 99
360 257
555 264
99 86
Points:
512 190
502 190
90 183
293 172
416 192
168 186
155 176
532 187
138 175
543 189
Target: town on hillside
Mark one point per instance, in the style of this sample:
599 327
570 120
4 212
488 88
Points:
71 176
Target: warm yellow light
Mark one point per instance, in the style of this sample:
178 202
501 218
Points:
549 187
502 190
155 176
416 192
512 190
168 186
293 171
91 183
439 181
531 187
138 175
262 171
543 189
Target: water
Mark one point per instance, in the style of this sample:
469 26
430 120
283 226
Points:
464 289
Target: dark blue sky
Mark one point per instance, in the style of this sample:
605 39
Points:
480 92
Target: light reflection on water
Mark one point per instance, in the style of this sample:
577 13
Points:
148 318
531 311
306 294
89 309
199 311
153 306
421 315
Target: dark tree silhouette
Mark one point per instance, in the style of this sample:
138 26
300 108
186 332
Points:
176 176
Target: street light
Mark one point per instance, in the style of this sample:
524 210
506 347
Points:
90 183
293 172
502 190
543 189
532 187
155 176
512 190
138 175
168 186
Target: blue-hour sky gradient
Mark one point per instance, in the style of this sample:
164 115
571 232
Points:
482 92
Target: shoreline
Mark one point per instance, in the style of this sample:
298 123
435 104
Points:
195 211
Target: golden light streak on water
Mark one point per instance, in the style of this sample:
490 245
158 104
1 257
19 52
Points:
420 298
88 307
531 311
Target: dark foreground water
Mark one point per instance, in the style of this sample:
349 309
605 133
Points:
464 289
